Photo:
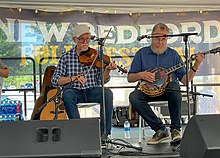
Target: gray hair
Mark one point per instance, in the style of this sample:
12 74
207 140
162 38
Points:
161 26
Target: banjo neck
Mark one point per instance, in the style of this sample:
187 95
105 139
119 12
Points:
176 67
192 58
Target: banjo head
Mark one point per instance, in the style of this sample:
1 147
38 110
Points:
160 78
155 88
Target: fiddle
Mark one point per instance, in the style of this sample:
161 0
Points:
90 56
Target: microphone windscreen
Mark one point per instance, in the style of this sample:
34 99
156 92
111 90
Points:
139 38
92 37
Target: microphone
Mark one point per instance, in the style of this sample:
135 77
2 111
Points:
92 37
189 33
139 38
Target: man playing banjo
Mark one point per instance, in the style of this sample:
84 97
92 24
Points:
158 55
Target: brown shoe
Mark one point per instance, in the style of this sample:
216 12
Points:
176 137
158 137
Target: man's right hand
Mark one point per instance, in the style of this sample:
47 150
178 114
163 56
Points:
147 76
81 79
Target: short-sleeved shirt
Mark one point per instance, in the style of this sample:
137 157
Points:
69 65
145 59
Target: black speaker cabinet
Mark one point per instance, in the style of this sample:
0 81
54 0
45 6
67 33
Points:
52 138
201 138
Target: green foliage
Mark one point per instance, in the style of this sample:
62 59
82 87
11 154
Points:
18 80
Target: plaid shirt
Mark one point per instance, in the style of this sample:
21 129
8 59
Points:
69 65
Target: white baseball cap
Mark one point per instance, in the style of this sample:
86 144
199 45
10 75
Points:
80 29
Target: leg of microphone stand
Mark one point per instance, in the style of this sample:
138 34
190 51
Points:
104 135
185 39
101 42
56 109
194 97
57 104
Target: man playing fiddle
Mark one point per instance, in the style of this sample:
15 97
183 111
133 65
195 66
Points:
84 82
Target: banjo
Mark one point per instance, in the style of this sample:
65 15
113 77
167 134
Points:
163 76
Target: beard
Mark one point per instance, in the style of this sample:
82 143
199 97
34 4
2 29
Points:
158 50
84 47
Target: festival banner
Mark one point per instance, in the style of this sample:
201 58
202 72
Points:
42 35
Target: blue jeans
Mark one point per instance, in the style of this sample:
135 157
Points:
139 102
73 96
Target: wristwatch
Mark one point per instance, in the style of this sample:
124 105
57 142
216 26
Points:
194 70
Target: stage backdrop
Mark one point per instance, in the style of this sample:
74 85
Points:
27 34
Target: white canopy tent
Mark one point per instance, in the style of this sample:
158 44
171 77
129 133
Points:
114 6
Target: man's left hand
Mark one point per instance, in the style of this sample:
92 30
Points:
199 58
111 66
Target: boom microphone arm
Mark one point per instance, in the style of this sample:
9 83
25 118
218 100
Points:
139 38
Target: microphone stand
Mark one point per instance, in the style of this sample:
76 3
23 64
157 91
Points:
101 42
104 136
185 39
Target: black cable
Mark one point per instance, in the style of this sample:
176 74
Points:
176 148
138 152
124 143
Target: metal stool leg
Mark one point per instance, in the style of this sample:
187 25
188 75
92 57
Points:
143 126
139 130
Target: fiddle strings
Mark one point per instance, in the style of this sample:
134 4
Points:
93 62
86 73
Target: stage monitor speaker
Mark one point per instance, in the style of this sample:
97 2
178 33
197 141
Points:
201 138
50 138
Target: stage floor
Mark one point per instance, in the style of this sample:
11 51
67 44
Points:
163 150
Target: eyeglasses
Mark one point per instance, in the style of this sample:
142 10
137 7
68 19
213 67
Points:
82 40
158 39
